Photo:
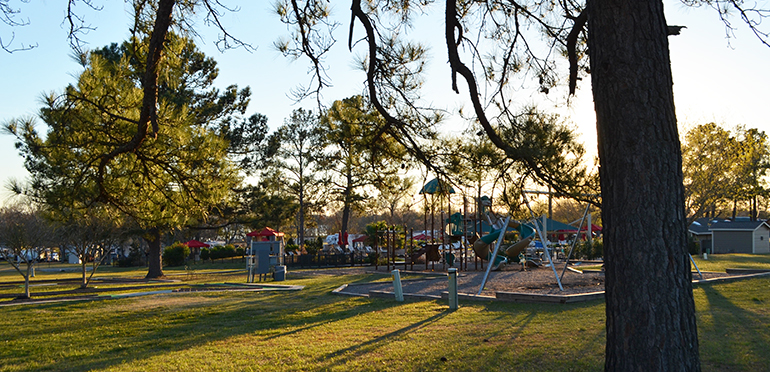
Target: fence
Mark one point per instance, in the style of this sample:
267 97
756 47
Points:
326 260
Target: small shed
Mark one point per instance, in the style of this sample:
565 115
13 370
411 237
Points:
700 230
266 234
740 237
265 251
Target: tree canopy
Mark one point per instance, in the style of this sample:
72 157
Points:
171 179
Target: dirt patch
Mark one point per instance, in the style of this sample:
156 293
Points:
536 281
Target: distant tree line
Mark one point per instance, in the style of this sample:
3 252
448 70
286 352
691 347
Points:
725 172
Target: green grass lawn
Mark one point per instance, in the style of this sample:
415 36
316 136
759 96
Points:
315 330
720 262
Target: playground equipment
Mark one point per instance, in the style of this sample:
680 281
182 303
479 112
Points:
481 245
265 255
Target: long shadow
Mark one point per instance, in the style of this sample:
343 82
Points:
180 322
177 328
368 346
739 338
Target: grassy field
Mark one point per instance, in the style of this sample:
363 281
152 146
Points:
315 330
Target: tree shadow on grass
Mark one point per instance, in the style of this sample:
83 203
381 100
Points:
731 335
340 357
104 334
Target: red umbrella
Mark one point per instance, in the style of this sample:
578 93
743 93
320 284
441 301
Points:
196 244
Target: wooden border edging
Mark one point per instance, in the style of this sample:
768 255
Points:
548 298
527 297
747 271
733 278
407 296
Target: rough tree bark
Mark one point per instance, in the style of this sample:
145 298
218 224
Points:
347 197
650 309
154 258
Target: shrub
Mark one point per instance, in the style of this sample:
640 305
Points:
134 258
589 252
313 246
693 246
239 252
229 251
217 252
291 247
205 254
175 254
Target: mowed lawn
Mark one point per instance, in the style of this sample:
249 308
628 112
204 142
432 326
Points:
314 330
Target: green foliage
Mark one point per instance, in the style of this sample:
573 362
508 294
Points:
175 254
301 148
267 204
372 235
94 154
135 257
249 144
693 246
240 252
358 155
217 252
721 167
205 254
291 247
230 250
584 250
314 246
227 251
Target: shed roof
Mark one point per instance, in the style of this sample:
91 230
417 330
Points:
702 226
739 225
265 232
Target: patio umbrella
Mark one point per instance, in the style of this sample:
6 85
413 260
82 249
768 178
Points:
196 244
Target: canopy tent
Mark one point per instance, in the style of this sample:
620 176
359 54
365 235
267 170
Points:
196 244
436 186
593 228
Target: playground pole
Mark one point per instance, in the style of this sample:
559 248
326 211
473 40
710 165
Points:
494 255
574 242
452 288
411 248
542 239
397 289
376 250
696 266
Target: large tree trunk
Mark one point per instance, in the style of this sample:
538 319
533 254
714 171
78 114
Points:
84 280
650 309
27 294
154 259
301 227
348 201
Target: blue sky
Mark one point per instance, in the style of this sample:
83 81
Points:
713 80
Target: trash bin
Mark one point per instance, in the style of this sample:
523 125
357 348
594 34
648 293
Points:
280 273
